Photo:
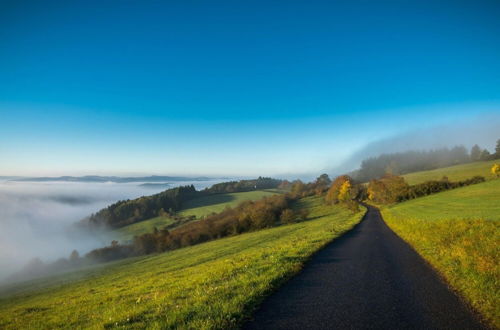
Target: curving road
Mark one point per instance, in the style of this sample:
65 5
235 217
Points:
367 279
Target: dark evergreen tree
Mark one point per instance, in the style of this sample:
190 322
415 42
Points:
485 155
475 153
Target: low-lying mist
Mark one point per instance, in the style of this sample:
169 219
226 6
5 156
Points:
36 219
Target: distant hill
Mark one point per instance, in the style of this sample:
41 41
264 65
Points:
116 179
127 212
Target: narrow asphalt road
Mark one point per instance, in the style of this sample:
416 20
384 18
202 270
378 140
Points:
367 279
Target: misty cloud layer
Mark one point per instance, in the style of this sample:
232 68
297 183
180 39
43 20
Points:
35 218
484 131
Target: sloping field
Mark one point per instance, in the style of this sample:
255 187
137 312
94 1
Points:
211 285
198 207
458 232
202 206
128 232
454 173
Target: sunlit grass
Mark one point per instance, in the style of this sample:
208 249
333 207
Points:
454 173
128 232
458 232
211 285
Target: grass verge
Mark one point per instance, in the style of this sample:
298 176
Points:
458 232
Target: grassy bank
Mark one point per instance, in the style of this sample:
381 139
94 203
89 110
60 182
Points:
212 285
454 173
198 207
458 232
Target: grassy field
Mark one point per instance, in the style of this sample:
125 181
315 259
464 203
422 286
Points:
211 285
454 173
128 232
198 207
458 232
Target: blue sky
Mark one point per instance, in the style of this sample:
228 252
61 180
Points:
234 88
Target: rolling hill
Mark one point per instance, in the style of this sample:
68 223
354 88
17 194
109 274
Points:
454 173
197 207
212 285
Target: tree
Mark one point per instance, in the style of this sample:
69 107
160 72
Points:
495 169
475 153
497 149
485 155
74 256
459 155
287 216
297 187
345 192
388 189
332 196
377 191
323 180
345 197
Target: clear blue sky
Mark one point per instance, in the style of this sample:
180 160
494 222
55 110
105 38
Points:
234 88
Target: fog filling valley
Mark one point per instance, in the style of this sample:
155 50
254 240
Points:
36 217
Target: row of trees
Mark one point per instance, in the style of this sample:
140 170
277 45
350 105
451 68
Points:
243 185
247 216
413 161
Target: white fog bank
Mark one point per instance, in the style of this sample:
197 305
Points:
35 217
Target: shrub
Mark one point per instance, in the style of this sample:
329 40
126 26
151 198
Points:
495 169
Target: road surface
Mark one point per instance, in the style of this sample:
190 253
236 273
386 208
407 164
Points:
367 279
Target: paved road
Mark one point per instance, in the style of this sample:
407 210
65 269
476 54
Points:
367 279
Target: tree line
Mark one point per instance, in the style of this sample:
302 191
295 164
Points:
243 185
414 161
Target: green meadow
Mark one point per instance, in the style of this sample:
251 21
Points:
458 232
215 203
454 173
197 207
212 285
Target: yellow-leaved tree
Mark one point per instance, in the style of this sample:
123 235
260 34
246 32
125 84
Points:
495 169
345 192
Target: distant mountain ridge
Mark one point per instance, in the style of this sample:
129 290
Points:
116 179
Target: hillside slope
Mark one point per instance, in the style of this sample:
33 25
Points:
454 173
458 232
197 207
211 285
